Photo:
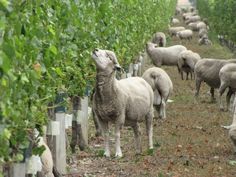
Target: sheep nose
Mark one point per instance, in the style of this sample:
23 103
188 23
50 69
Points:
96 50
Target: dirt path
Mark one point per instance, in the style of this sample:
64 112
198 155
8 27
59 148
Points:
189 143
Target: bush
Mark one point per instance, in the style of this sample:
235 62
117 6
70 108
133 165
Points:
45 47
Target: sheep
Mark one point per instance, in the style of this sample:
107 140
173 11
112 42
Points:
159 38
193 26
177 10
186 62
204 40
191 19
188 14
122 102
232 127
227 76
162 87
201 25
185 34
173 30
46 158
202 32
164 55
207 70
175 21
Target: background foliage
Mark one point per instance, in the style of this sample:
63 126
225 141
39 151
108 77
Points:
221 16
45 46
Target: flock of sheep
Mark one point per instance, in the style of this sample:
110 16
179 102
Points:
128 101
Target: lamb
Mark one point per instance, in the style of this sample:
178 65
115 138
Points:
164 55
207 70
227 80
204 40
185 34
186 62
159 38
162 87
122 102
173 30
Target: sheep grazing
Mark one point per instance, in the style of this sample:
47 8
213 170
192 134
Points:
191 19
201 25
46 158
193 26
186 62
207 70
204 40
122 102
175 21
162 87
164 55
185 34
173 30
227 80
159 38
202 32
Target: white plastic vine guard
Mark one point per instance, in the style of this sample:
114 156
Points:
53 128
33 164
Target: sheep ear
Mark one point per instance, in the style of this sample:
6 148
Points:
118 67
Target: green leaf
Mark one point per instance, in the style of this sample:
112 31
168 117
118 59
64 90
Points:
53 49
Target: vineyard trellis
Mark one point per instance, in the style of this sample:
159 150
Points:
45 47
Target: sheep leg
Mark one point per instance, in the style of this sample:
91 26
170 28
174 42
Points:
198 85
163 108
212 90
149 128
182 75
187 75
137 137
117 139
105 132
221 92
228 96
191 74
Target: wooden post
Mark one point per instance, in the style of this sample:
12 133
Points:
135 68
84 122
59 157
139 69
17 170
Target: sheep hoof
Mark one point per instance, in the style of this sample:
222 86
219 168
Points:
118 154
227 127
107 154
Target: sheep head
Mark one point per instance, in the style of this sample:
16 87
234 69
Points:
105 60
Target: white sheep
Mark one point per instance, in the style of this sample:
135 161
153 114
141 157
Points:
204 40
175 21
162 87
202 32
46 159
227 80
185 34
201 25
191 19
164 55
232 127
159 38
173 30
186 62
207 70
193 26
122 102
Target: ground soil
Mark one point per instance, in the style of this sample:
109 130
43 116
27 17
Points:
189 143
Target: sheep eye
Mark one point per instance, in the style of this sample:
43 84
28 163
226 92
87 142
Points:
109 57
